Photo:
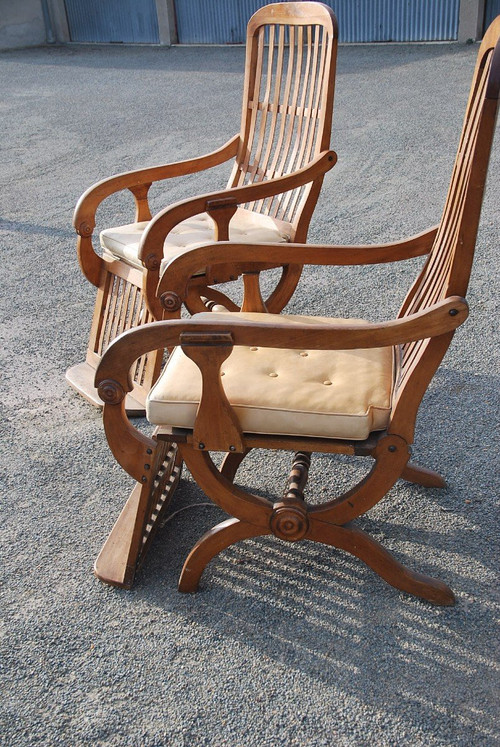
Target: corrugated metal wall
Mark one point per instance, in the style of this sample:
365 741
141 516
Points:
491 11
113 21
396 20
224 21
214 22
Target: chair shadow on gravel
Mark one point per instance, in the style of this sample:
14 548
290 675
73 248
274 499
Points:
321 612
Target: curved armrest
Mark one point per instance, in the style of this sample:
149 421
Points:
151 248
84 216
179 270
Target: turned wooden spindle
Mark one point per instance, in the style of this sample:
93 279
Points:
297 479
289 520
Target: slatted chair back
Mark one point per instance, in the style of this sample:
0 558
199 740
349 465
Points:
448 266
287 104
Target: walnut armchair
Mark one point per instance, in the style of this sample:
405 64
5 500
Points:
252 379
279 159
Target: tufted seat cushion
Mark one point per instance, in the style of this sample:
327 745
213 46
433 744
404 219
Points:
246 226
342 394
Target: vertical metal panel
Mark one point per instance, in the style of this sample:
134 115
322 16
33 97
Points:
215 21
224 21
491 11
396 20
113 21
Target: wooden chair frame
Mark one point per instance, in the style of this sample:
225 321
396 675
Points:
279 158
433 309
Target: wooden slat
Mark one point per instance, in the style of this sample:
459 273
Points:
108 315
314 123
260 137
255 75
302 141
98 319
118 309
126 317
290 158
294 111
274 110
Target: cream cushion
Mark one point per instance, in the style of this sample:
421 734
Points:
334 394
246 226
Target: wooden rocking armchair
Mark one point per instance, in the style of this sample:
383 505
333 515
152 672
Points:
279 157
244 380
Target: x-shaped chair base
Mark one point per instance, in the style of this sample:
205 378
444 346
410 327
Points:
292 519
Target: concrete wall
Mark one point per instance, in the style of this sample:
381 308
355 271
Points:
21 23
470 21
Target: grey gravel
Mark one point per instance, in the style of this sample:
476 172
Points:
284 644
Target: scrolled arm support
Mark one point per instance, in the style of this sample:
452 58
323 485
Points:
131 448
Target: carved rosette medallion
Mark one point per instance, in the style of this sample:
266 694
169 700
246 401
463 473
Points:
110 392
152 262
170 301
85 229
289 523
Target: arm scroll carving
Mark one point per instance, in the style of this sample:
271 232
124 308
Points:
111 392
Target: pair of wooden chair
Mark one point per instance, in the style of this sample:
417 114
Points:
242 379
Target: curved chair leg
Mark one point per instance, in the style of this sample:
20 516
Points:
371 552
391 457
422 476
230 465
211 544
284 290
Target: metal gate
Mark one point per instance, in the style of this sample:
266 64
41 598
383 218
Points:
224 21
113 21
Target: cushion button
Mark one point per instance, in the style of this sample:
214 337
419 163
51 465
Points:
327 383
222 373
304 354
273 375
254 348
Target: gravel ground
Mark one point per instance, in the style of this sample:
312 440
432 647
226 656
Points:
284 645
